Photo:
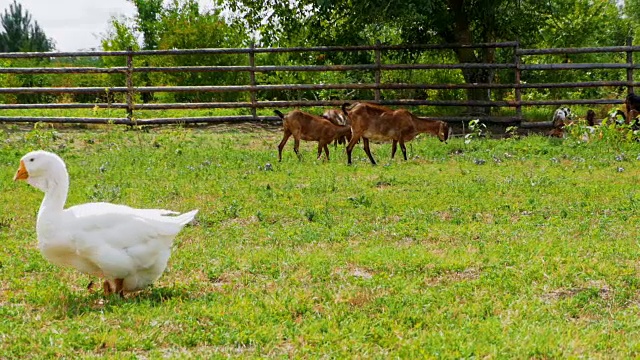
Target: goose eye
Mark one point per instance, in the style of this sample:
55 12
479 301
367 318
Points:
31 159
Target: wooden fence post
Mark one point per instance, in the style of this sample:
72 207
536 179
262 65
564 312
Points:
129 83
252 80
630 66
378 70
518 90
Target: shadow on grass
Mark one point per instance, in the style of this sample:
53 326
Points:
73 304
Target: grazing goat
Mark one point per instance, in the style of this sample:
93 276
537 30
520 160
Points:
304 126
561 116
338 118
556 132
632 104
375 122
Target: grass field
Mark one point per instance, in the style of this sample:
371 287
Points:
512 248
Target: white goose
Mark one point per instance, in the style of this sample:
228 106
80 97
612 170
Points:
127 247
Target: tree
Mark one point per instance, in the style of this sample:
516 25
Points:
20 34
181 24
148 21
353 22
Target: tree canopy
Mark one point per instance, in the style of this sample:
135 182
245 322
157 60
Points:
431 21
351 22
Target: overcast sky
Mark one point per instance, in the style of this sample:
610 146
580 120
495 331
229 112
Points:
74 24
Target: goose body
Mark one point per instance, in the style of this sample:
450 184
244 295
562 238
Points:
127 247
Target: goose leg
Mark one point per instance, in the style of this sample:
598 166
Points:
106 286
119 287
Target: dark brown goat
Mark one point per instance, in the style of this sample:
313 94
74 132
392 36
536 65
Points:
632 105
376 122
305 126
591 117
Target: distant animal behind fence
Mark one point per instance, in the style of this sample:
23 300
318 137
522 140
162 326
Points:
632 105
111 94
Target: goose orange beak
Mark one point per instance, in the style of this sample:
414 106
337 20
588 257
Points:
22 173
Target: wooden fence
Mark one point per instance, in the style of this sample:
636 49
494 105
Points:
130 89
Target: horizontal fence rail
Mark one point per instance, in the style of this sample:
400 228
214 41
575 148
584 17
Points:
31 55
254 88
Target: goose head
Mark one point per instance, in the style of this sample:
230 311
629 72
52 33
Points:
42 170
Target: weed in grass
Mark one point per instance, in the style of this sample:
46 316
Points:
360 201
310 214
232 211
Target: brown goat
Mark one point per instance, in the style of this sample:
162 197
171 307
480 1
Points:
376 122
632 105
304 126
340 119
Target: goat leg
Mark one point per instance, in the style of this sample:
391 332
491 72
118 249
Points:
285 138
365 141
404 149
352 144
296 148
394 147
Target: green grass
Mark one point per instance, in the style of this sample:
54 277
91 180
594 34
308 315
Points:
532 254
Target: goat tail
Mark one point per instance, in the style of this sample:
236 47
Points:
344 109
279 113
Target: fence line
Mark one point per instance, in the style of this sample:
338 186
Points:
253 88
242 88
27 55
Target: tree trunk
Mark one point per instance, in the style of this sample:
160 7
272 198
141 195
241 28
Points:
462 34
480 76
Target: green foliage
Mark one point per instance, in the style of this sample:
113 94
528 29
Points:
570 23
476 130
578 23
609 132
149 11
19 33
120 37
512 132
181 25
